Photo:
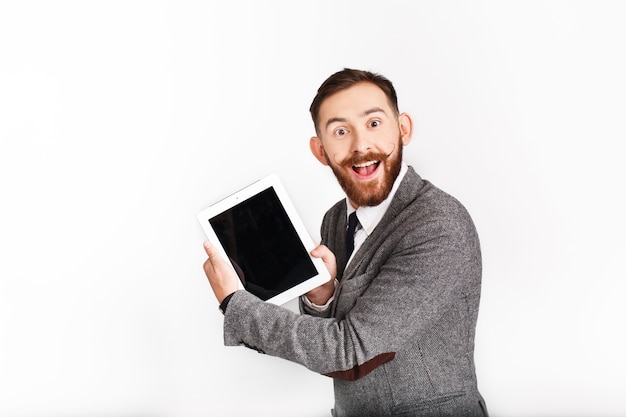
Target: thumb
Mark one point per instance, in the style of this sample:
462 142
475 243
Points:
214 258
209 249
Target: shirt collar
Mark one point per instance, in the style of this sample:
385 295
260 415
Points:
370 216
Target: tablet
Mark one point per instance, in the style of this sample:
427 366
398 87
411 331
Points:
258 230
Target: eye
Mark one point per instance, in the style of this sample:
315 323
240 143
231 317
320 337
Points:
375 123
341 131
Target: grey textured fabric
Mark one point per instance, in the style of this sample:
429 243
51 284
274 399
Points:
399 337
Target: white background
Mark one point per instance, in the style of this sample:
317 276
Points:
120 120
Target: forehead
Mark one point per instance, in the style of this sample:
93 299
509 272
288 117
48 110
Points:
353 102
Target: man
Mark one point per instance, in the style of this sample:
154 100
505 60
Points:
395 326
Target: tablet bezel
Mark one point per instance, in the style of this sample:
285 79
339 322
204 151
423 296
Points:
270 181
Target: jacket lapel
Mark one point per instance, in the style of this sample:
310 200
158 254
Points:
406 193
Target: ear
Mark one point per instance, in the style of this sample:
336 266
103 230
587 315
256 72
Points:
406 128
318 150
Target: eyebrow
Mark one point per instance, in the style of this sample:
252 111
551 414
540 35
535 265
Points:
365 113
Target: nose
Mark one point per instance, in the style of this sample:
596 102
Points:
361 143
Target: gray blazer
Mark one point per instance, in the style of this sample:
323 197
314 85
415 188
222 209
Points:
398 339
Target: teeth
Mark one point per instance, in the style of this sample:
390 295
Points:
366 164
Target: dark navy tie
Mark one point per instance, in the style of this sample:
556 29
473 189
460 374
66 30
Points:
352 222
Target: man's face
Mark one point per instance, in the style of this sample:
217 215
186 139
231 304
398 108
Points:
361 139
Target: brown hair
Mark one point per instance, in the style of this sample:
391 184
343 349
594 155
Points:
346 78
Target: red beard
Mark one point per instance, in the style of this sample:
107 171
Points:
374 192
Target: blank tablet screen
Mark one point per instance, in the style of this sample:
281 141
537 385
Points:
263 245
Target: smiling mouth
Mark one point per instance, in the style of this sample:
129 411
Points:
366 168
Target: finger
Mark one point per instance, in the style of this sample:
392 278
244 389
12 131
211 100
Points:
323 252
318 252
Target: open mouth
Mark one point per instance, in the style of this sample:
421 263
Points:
366 169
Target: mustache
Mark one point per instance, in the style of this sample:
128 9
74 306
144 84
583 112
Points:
360 158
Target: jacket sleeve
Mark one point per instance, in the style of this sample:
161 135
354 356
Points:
424 275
